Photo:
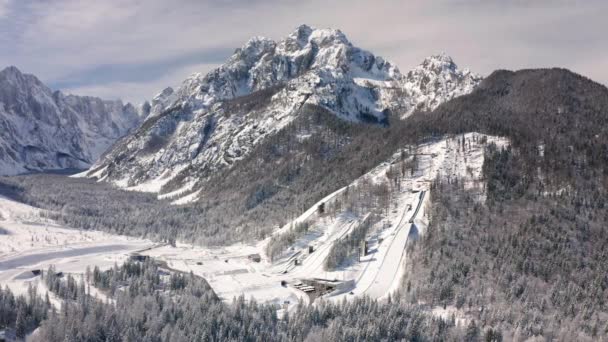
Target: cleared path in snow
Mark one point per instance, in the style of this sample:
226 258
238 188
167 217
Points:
313 264
377 281
34 259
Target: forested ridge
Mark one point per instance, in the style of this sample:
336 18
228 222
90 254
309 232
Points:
531 260
557 121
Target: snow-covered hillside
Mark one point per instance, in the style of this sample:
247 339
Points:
35 243
459 158
214 120
44 130
231 271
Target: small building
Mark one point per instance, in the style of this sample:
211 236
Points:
138 257
296 262
162 272
254 257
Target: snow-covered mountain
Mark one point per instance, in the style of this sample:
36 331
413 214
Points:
211 121
45 130
436 81
160 102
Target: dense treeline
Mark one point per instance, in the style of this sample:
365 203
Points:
527 263
143 276
86 204
554 118
22 314
64 287
186 309
347 248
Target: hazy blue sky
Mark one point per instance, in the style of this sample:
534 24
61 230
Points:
133 49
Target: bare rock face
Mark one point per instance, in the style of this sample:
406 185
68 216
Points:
45 130
211 121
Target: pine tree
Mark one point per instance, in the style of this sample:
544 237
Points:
472 332
20 322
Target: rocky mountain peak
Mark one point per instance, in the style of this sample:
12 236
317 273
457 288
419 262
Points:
11 71
166 92
439 63
44 130
212 121
306 35
301 35
253 50
436 80
12 75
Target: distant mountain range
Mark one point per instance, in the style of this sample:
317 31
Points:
45 130
212 121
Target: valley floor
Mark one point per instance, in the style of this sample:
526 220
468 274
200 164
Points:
32 243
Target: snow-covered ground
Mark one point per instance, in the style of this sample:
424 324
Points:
33 243
229 271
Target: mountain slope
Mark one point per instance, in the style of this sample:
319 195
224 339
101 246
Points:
553 110
45 130
213 121
541 237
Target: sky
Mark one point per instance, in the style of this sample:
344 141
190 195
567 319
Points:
132 49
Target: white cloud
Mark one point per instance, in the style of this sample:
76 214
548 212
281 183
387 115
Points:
4 8
136 92
57 38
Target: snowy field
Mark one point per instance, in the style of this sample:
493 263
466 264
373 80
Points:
33 243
